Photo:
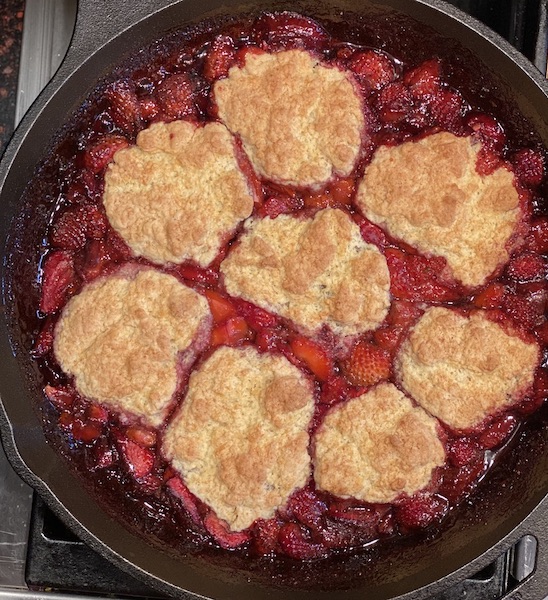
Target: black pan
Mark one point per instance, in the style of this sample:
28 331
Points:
510 503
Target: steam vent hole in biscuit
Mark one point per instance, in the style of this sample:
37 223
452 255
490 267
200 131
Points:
121 338
463 369
242 445
429 194
315 271
178 193
300 121
376 447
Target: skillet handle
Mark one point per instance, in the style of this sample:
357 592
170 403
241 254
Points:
98 21
535 587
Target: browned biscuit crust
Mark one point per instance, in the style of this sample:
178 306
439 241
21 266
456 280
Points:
315 272
300 121
429 194
463 369
240 438
120 338
178 193
376 447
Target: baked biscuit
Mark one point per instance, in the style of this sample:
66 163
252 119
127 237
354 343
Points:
313 271
122 335
463 369
376 447
300 121
242 446
429 194
178 193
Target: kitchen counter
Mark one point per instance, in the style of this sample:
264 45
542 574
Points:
11 28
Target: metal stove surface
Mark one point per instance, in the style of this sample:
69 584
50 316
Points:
39 557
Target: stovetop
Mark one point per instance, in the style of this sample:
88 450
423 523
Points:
39 557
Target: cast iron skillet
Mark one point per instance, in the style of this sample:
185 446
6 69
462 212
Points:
512 501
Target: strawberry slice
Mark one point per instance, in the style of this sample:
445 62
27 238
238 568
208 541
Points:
526 267
179 489
226 538
313 356
101 153
69 230
335 389
220 58
124 106
367 364
373 68
288 30
538 238
58 280
295 543
231 333
463 451
139 460
394 103
447 109
530 167
498 431
265 536
491 297
425 80
305 506
175 97
142 435
220 306
420 511
415 277
44 341
61 397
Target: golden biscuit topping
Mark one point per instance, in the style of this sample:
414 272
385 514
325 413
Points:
121 338
376 447
300 121
178 193
429 194
316 272
463 369
242 446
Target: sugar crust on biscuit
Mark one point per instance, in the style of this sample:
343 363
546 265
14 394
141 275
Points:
300 120
429 194
376 447
121 338
242 445
178 193
464 369
315 271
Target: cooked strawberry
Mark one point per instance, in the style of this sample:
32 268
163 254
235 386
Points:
491 297
97 260
101 153
538 238
367 364
288 30
335 389
526 311
403 313
197 274
266 535
541 333
124 106
339 534
104 456
69 230
305 506
61 397
96 222
271 338
273 206
296 544
179 489
394 103
313 356
371 233
139 460
350 511
223 536
256 317
530 167
44 341
96 412
389 338
424 80
463 451
341 191
316 199
175 97
498 431
488 161
447 109
231 333
489 131
148 109
459 481
220 306
86 432
526 267
142 435
219 58
373 68
420 511
58 280
415 277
